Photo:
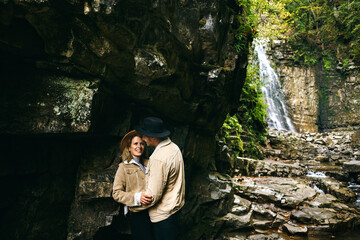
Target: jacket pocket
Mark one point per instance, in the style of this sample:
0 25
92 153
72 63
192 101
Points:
131 171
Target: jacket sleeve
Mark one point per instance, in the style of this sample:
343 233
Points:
119 188
157 181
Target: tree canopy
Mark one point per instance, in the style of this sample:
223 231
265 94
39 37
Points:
327 30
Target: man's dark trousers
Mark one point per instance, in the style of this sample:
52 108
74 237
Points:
167 229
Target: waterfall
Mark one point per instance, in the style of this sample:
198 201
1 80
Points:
277 116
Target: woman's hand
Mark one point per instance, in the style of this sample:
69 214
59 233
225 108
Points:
145 199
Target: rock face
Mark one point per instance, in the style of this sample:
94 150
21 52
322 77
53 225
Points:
294 194
318 98
76 76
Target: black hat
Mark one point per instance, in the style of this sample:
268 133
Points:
152 127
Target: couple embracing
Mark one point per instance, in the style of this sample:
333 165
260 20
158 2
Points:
152 190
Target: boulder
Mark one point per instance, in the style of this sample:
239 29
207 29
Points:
352 166
294 229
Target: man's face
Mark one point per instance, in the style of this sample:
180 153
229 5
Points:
148 140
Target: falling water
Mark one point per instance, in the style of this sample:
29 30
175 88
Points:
277 116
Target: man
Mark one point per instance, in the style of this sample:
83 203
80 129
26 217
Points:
165 191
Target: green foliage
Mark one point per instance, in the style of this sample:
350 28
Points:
244 36
318 30
230 134
247 21
346 63
245 131
273 21
252 114
328 62
304 55
249 122
327 31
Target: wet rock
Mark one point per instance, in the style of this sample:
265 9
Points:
149 64
235 222
232 236
272 236
310 207
323 150
263 211
329 142
281 191
346 151
252 167
321 231
241 206
314 215
316 205
87 218
357 155
295 229
301 217
261 225
225 159
214 200
220 186
335 157
322 200
337 189
319 141
322 158
352 166
281 218
355 139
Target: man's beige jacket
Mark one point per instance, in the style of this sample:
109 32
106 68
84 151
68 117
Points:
165 181
129 179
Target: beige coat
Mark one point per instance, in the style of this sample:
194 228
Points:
129 179
166 181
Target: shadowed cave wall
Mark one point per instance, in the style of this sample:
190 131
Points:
73 84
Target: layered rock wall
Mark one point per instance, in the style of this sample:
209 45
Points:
340 98
300 90
318 99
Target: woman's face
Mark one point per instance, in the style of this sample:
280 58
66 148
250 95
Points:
136 147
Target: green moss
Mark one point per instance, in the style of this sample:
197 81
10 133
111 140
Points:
202 22
75 101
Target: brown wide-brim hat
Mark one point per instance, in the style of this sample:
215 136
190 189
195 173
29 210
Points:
124 140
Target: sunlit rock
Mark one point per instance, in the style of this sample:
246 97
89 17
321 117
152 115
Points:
293 228
318 98
241 206
51 104
352 166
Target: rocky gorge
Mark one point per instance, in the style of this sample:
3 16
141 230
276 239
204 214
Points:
307 187
77 75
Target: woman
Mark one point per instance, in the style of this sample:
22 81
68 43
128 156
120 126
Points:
130 181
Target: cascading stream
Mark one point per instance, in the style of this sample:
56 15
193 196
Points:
277 115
